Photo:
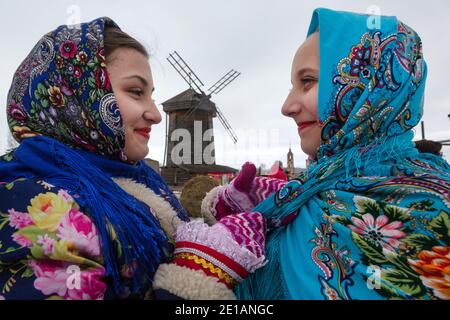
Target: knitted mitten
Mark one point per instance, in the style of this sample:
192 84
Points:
210 260
242 194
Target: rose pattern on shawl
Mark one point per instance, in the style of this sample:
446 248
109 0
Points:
58 235
434 269
46 210
52 278
407 247
54 221
68 49
78 77
77 228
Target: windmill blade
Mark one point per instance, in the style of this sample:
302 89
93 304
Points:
184 70
227 126
224 81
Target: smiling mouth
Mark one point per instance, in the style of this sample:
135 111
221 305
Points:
304 125
145 132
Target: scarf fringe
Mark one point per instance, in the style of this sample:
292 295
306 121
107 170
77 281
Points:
129 234
109 205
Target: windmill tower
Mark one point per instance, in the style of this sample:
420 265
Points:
189 125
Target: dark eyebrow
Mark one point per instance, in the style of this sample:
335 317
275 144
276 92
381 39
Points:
141 79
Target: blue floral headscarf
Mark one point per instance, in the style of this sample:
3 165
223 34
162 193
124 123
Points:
369 202
62 110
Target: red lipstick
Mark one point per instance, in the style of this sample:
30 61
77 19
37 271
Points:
304 125
145 132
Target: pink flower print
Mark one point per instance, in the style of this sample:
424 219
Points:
102 79
68 49
78 72
52 277
379 230
17 112
65 195
78 228
22 240
19 220
47 244
91 286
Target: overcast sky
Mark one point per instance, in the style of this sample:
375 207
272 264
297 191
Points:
257 38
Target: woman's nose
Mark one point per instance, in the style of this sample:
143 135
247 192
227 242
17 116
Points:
290 107
153 114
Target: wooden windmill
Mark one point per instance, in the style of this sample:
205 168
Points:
192 112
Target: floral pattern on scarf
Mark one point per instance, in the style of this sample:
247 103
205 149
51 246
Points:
48 246
75 104
369 219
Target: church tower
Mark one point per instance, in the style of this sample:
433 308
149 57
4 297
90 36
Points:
290 164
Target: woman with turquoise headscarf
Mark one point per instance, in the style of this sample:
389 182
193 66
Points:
369 219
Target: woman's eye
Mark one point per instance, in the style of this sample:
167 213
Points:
308 82
137 92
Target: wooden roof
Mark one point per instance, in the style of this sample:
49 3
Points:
186 100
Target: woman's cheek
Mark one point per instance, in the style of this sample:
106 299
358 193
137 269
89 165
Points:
126 109
311 102
121 103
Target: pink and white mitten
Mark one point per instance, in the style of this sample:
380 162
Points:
241 194
210 260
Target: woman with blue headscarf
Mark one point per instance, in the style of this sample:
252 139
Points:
370 217
82 216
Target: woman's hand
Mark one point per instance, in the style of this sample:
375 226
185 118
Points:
242 194
210 260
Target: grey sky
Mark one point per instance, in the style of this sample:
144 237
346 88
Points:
257 38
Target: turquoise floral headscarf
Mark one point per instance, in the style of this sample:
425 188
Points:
370 217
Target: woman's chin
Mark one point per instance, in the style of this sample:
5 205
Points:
136 154
310 151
